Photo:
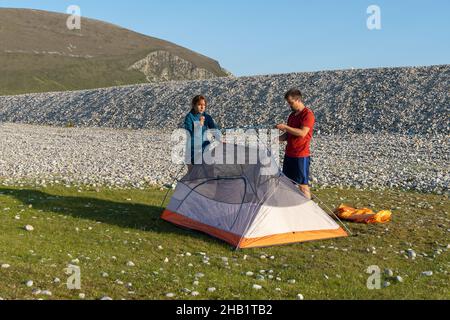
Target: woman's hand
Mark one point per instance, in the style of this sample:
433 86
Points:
202 121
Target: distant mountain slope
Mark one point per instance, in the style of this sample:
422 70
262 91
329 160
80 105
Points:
39 53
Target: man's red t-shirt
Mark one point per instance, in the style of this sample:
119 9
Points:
298 147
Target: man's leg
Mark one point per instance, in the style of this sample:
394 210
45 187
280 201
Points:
305 190
304 164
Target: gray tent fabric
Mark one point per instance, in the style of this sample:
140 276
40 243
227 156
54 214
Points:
246 202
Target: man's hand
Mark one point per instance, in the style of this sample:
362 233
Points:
281 127
302 132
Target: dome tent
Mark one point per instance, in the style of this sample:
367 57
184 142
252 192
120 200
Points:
246 207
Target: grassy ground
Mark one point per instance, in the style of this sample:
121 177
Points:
94 226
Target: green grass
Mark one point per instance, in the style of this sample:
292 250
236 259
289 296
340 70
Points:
95 225
27 73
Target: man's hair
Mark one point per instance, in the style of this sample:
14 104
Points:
197 99
294 94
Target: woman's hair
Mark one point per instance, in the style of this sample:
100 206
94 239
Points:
197 99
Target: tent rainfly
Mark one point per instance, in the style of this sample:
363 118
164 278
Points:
240 204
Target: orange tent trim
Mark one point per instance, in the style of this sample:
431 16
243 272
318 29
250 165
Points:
235 240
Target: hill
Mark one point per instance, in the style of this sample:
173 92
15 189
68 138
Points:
38 53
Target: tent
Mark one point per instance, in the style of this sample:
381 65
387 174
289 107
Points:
246 207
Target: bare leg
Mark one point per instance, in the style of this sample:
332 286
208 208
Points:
306 191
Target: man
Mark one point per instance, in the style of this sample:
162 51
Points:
298 134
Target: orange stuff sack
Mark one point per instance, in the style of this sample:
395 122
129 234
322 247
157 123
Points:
363 215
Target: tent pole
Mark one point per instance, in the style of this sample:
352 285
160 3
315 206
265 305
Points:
168 190
328 208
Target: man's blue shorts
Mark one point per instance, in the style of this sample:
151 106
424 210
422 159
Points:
297 169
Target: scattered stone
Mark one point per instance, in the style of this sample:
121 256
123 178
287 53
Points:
29 228
36 292
411 254
389 273
46 293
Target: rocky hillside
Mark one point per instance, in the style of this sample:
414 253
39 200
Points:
38 53
391 100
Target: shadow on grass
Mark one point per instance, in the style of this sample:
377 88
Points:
125 215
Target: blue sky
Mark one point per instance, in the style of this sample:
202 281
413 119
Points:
251 37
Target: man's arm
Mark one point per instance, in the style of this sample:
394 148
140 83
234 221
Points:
302 132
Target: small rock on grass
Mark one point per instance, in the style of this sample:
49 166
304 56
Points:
257 287
427 273
211 289
29 283
389 273
300 297
130 264
170 295
29 228
6 266
106 298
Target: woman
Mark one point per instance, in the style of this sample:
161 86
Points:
197 122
